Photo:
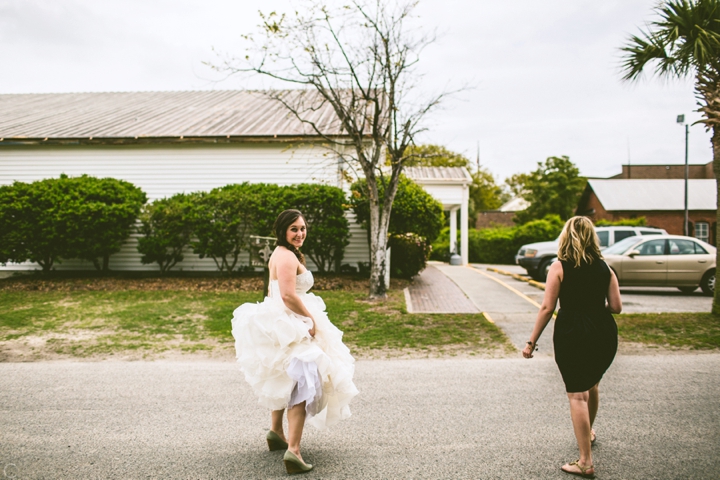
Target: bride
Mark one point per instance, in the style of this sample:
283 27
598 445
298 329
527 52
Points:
291 354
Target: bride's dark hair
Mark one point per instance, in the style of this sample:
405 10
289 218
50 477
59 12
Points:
282 223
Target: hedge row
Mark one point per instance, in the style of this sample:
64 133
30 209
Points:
499 245
218 224
90 218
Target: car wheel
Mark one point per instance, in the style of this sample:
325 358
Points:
687 289
543 269
708 283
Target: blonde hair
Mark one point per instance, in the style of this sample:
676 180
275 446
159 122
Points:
579 242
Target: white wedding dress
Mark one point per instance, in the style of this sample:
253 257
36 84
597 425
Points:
285 366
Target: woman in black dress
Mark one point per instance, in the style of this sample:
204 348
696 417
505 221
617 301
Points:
585 337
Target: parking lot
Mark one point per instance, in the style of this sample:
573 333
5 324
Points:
635 299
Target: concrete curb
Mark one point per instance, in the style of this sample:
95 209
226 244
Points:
534 283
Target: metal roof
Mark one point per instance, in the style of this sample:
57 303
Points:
654 194
438 174
515 204
219 113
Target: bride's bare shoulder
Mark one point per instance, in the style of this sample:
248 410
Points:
283 255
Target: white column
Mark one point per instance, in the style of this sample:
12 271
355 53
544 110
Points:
453 229
464 225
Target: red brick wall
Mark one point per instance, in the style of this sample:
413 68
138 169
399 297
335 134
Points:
666 171
491 219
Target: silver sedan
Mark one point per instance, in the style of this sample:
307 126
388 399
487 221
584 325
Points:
664 261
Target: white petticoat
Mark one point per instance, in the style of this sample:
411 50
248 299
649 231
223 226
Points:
285 366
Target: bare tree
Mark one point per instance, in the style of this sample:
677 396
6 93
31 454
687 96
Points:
358 63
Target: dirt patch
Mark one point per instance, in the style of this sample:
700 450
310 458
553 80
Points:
37 283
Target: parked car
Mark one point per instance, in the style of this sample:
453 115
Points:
536 258
664 261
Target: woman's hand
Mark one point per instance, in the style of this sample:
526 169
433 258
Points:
528 350
312 330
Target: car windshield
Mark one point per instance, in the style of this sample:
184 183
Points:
622 246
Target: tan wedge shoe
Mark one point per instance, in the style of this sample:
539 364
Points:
275 442
294 465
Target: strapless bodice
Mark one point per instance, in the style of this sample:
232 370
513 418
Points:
303 283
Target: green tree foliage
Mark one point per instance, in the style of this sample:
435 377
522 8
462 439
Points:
684 40
81 217
553 189
434 156
623 222
166 228
98 216
414 210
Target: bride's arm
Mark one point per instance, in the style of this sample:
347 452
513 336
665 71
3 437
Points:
286 268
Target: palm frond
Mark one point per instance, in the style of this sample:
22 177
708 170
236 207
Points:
685 38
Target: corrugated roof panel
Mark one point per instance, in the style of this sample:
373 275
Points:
654 194
217 113
437 173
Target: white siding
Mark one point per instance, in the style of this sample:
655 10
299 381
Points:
162 171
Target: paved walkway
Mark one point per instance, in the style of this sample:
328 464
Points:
426 418
433 292
512 306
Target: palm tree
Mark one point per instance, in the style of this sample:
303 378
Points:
685 40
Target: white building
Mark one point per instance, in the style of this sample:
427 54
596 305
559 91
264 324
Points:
173 142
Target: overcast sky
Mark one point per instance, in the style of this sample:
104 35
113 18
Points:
545 74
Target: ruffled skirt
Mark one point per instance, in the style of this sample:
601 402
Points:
285 366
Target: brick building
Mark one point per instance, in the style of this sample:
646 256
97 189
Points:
667 172
659 200
503 216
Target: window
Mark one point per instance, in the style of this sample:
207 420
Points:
603 237
699 249
620 234
653 247
681 247
650 232
702 231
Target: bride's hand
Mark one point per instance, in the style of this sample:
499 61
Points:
312 330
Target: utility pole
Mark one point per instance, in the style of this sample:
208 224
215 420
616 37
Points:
681 120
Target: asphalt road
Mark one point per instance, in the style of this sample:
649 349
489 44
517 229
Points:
443 418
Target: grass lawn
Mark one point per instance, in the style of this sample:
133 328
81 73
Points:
140 323
695 331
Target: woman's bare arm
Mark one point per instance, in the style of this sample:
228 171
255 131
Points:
552 291
613 295
286 266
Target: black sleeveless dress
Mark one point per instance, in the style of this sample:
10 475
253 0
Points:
585 336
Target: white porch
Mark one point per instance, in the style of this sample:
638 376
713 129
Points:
451 187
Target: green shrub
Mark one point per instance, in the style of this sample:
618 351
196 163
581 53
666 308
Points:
623 222
408 255
328 230
29 218
225 218
414 210
222 222
499 244
166 228
441 246
98 215
81 217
